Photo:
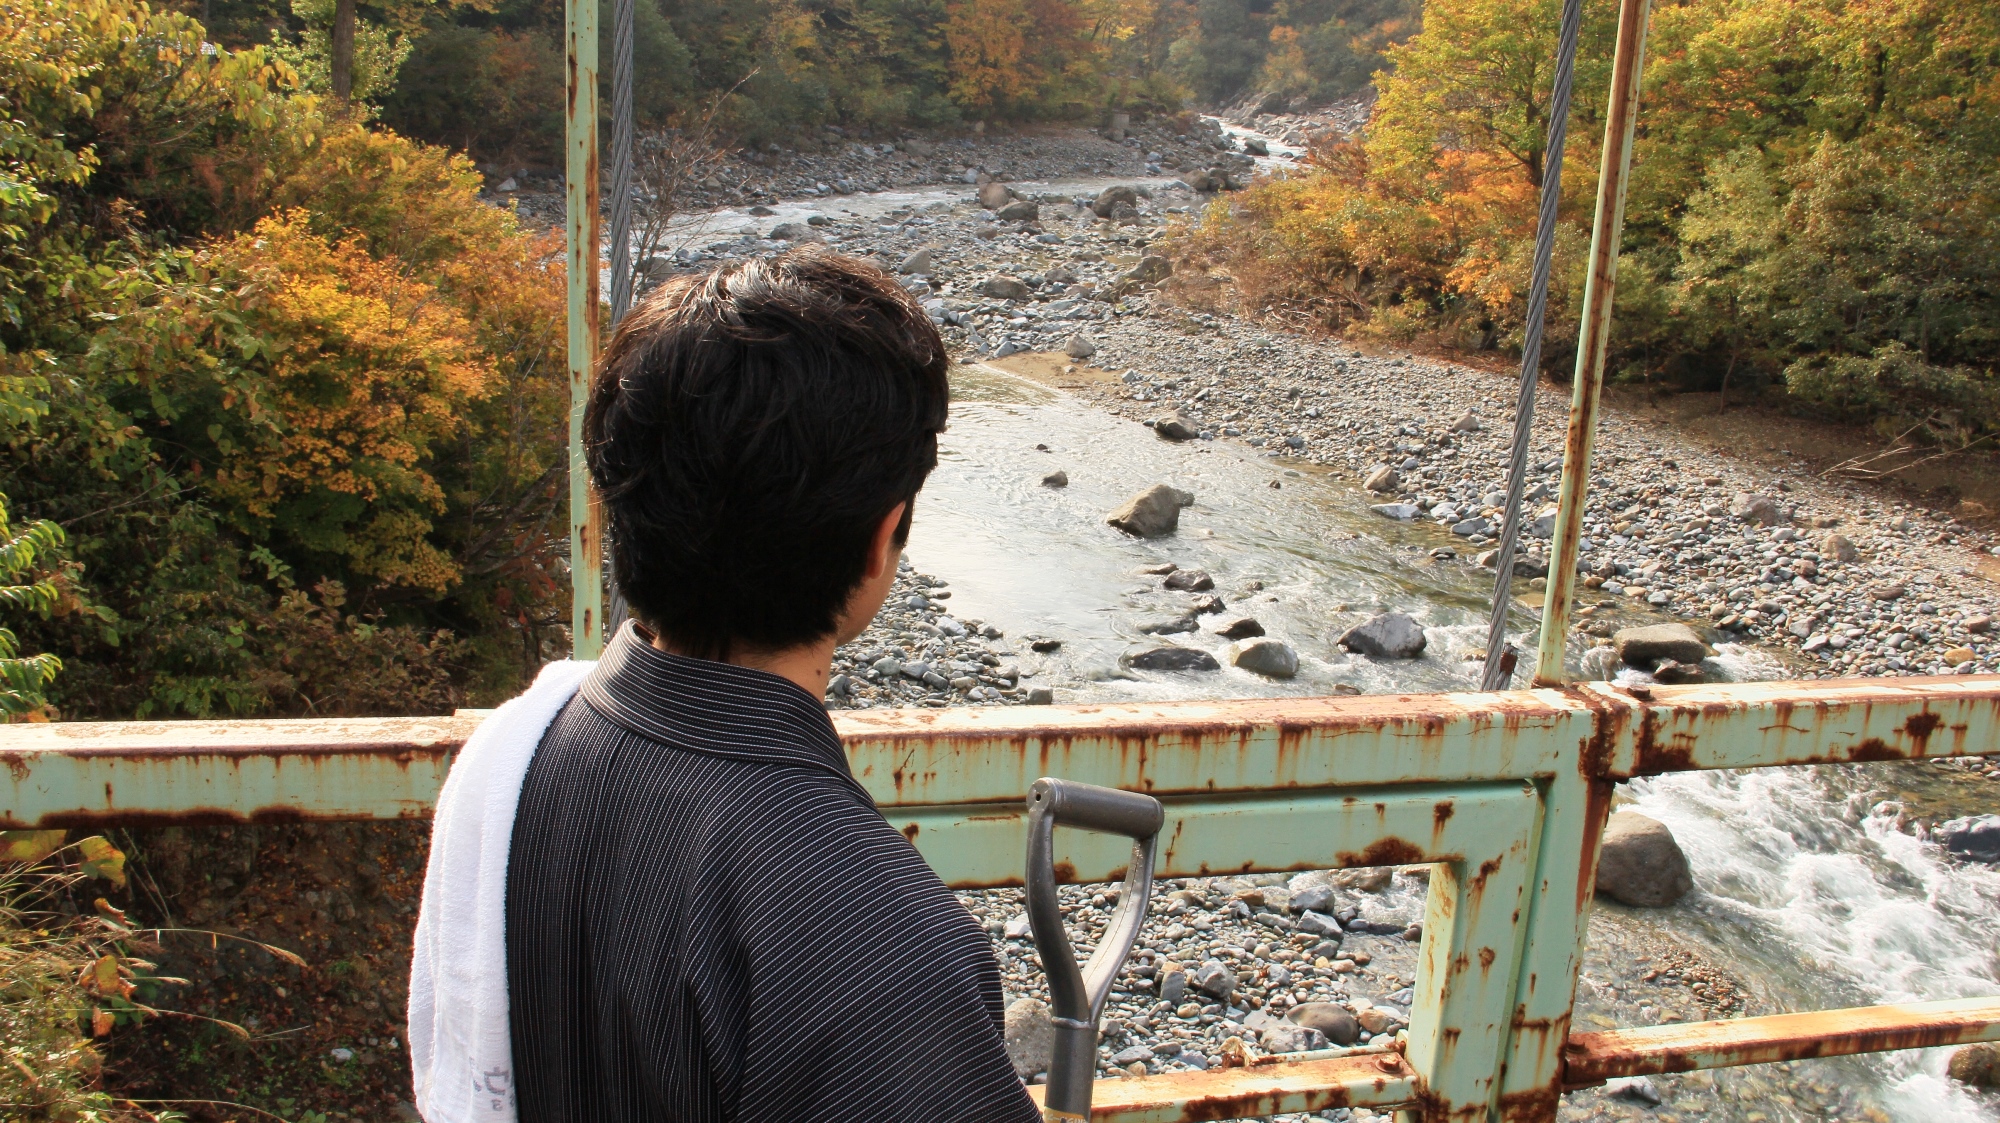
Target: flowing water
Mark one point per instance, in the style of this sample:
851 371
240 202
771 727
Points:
1808 895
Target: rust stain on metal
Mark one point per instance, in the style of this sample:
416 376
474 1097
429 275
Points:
1652 755
1383 852
910 832
192 817
1920 726
1592 1058
1531 1105
1257 1091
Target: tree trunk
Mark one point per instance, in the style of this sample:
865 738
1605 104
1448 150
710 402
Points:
343 49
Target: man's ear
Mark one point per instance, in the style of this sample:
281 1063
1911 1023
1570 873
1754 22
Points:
882 549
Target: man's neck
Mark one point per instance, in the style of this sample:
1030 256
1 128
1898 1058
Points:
808 665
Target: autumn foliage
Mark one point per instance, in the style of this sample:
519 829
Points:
292 391
1814 201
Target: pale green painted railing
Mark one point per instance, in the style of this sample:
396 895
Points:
1506 793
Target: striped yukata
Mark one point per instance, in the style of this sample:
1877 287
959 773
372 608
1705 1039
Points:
708 919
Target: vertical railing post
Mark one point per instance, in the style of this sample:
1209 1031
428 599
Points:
1462 1013
581 188
1607 231
1575 802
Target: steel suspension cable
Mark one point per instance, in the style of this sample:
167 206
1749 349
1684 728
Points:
621 160
1500 657
621 221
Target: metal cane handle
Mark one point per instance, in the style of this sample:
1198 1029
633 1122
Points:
1077 994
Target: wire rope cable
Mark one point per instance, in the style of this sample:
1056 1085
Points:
621 160
1500 657
621 225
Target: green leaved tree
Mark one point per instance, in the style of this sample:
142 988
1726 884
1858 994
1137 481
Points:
25 586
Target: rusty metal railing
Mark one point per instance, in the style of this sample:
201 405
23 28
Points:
1506 793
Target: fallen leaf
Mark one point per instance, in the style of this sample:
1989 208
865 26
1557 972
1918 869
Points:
101 859
29 846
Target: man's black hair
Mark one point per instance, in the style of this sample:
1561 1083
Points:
748 430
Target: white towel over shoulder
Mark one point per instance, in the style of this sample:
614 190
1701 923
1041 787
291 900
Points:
460 1051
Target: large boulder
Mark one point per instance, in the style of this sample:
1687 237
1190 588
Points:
1643 647
1080 346
1284 1037
1760 509
1108 199
1383 478
1152 513
1004 287
1030 1034
1640 864
1976 837
1189 581
1173 429
1174 659
1392 635
1331 1019
1266 657
1837 547
1977 1065
1020 210
919 262
993 196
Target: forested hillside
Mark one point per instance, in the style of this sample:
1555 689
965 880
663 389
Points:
1815 202
486 75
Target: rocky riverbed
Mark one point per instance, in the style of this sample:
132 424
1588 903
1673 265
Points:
1849 579
837 163
916 653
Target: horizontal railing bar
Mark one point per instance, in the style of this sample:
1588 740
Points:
110 773
980 845
1592 1058
1839 721
1381 1081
